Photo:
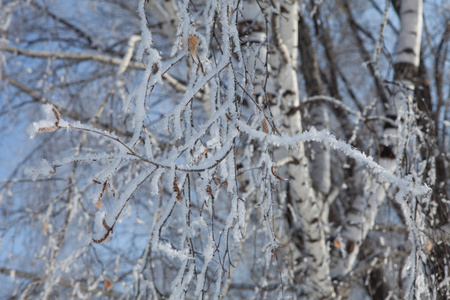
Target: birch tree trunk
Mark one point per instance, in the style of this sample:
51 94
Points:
320 152
360 218
282 94
307 205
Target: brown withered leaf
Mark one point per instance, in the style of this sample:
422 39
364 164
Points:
265 128
337 243
99 205
108 285
429 246
57 115
48 129
350 246
176 189
193 43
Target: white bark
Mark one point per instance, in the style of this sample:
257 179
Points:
361 217
318 114
308 206
282 88
408 45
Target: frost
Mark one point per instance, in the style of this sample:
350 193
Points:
208 252
222 172
327 138
48 124
43 170
99 228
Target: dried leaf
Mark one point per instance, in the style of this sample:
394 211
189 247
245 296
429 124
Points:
265 128
337 243
350 246
209 190
57 115
108 284
176 189
193 43
99 205
48 129
429 246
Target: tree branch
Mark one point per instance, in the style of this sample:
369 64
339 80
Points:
64 283
83 56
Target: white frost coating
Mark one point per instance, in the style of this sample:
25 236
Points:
218 283
190 93
146 35
155 181
99 230
208 252
90 157
121 201
49 121
182 281
208 15
182 255
152 58
201 130
324 136
43 169
408 44
236 41
212 160
148 147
